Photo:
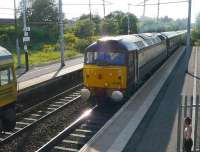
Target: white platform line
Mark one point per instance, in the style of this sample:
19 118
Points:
194 94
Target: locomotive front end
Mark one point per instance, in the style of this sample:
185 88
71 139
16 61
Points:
105 81
104 72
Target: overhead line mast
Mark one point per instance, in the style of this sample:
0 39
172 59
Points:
144 8
104 9
25 38
128 18
17 37
158 12
90 10
61 34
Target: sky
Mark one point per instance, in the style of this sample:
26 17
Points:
71 11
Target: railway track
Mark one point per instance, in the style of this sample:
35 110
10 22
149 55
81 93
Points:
34 115
77 134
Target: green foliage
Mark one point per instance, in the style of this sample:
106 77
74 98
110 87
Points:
198 21
84 28
196 31
163 24
45 56
43 11
7 36
117 23
49 47
70 40
123 26
81 44
108 27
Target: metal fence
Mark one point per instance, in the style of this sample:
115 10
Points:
189 107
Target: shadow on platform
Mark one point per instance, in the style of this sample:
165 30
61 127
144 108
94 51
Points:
156 132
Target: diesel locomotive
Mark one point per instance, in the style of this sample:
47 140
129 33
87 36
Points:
113 64
8 91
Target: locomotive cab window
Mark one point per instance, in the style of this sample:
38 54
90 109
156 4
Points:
105 58
6 76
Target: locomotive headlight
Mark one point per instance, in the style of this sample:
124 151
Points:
117 96
85 94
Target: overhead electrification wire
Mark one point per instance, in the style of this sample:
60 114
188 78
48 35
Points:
6 8
142 2
162 3
86 4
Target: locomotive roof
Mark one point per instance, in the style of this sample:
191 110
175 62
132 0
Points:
170 34
5 56
131 42
120 43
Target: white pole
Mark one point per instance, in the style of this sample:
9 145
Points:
128 19
158 12
104 9
144 8
17 37
90 10
188 25
25 34
61 34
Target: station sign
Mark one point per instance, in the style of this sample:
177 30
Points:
26 39
26 34
25 47
27 29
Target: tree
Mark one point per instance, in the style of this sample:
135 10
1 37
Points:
123 25
96 20
43 11
42 17
109 27
163 24
196 31
198 21
119 21
84 28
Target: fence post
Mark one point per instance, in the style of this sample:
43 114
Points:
196 122
185 107
179 124
191 107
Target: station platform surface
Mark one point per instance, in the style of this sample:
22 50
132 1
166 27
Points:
118 134
160 133
46 72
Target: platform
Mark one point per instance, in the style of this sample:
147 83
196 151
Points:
44 73
117 132
163 126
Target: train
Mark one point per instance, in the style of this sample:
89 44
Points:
114 64
8 91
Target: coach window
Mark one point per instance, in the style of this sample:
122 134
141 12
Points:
6 76
131 65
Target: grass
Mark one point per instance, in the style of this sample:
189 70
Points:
43 57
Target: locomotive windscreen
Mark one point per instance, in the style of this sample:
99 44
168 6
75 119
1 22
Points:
105 58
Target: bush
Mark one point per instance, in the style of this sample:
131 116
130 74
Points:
196 36
81 45
84 28
70 39
49 47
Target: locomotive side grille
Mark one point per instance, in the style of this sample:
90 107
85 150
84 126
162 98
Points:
7 95
5 91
